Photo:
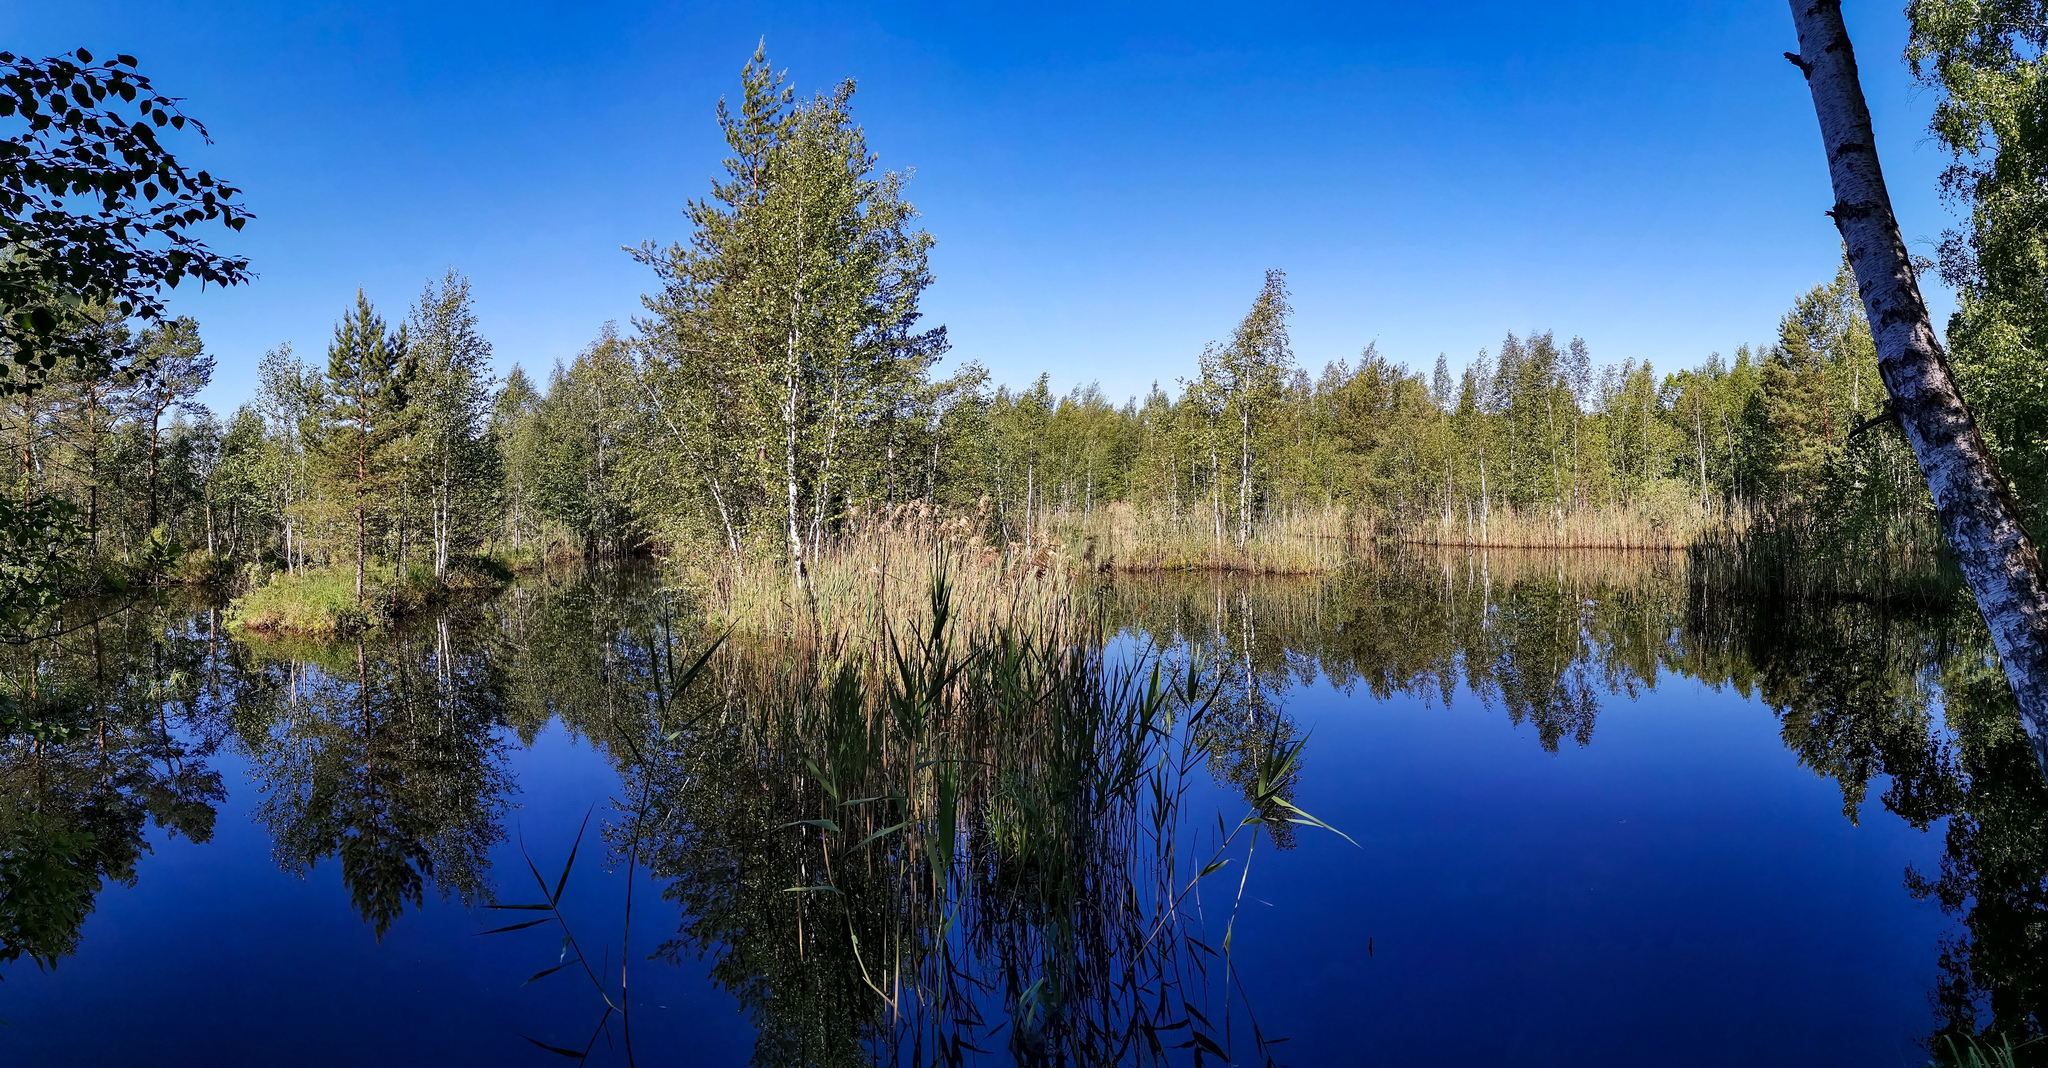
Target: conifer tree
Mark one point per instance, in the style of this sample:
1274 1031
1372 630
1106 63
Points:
172 370
364 416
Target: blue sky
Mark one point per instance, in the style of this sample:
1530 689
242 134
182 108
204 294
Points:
1106 183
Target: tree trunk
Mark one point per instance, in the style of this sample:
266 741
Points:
362 481
444 517
1030 491
1977 512
1215 489
155 421
732 539
1699 440
789 428
1244 481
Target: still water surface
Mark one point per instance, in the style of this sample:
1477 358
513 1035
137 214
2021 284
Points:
1595 812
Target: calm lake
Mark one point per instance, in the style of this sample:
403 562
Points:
1591 810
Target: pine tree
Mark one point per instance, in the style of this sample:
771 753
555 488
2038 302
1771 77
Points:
172 370
365 416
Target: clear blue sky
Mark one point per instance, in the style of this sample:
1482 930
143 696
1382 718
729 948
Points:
1106 183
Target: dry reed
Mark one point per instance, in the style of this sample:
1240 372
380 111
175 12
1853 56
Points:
876 579
1119 537
1658 522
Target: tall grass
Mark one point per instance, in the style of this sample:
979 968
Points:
1657 521
1985 1051
1121 537
877 579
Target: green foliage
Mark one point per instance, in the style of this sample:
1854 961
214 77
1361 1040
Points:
1984 59
456 468
782 353
96 218
360 425
38 559
94 209
323 601
781 392
46 889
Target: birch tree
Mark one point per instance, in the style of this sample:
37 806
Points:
789 319
1978 515
454 394
1252 368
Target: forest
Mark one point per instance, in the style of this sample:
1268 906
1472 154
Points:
781 391
722 430
896 578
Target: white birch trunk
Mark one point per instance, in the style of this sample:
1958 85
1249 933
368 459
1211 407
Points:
1977 513
1244 480
789 428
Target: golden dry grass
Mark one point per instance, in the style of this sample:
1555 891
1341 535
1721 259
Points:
1668 520
1119 537
877 579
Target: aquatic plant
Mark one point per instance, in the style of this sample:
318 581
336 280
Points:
961 834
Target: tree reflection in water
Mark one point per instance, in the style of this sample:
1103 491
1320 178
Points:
1906 691
385 756
104 728
884 868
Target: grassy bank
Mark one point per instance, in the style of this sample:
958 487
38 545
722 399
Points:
323 602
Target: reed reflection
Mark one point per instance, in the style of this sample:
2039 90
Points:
924 844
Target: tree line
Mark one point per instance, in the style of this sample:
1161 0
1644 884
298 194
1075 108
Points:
401 449
781 384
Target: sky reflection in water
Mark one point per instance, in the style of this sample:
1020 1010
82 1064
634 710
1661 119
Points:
1598 813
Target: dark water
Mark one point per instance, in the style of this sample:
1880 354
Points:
1597 813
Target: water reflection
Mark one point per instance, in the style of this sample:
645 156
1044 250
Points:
875 875
385 757
104 729
970 843
1904 694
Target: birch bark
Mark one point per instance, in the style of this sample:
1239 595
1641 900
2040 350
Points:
1977 513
